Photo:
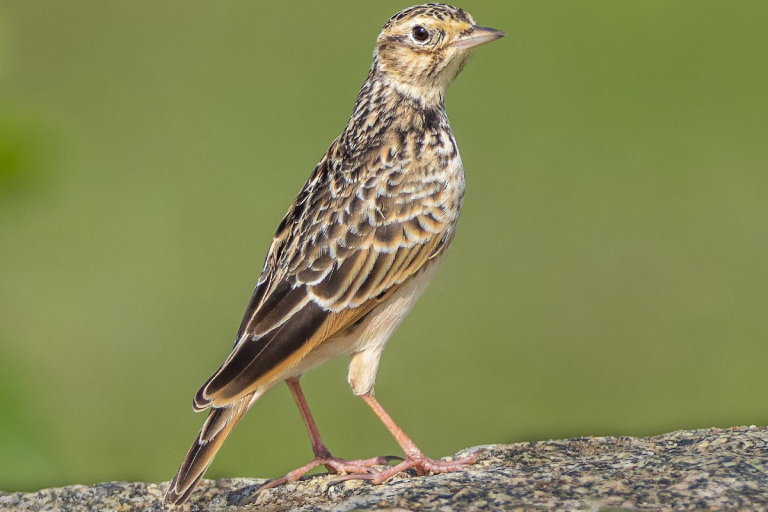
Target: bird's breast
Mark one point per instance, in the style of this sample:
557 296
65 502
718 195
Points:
419 171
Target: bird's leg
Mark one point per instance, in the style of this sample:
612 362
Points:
323 456
414 458
318 446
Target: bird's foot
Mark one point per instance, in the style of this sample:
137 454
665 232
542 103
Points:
418 461
334 465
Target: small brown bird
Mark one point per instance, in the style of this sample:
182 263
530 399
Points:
357 247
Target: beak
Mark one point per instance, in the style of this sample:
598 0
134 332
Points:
478 36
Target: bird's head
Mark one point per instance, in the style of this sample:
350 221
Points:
423 48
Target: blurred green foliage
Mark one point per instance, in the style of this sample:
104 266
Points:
610 274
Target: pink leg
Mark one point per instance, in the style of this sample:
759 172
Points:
414 458
323 456
318 447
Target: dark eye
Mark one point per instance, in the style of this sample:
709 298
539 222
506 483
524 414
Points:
420 34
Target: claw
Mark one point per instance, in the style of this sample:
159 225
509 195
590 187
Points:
390 458
422 464
334 465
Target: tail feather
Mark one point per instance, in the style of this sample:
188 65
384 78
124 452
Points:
216 428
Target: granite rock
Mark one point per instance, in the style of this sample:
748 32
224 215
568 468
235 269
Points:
712 469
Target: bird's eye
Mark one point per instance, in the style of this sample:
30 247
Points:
420 34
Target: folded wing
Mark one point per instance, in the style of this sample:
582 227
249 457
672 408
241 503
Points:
327 267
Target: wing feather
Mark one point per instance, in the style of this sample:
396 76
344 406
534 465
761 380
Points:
339 252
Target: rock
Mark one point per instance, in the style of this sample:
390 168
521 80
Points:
709 469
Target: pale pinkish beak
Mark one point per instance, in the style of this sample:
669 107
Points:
478 36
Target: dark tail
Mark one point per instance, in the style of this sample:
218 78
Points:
215 430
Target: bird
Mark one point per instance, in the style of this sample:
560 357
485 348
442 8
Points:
356 249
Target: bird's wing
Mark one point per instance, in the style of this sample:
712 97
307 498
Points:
343 248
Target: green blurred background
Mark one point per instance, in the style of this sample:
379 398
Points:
610 275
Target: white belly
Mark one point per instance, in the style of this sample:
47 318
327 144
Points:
367 340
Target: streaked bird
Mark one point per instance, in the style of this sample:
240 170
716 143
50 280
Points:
357 247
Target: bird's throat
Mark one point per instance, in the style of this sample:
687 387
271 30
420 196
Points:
385 105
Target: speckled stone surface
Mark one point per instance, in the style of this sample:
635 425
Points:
698 470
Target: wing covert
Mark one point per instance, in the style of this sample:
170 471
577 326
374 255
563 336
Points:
342 248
